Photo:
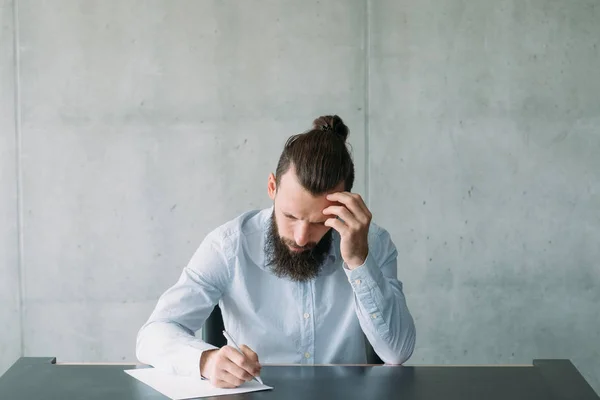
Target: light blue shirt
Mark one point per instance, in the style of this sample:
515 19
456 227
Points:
315 322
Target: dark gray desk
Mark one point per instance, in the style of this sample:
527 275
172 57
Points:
42 378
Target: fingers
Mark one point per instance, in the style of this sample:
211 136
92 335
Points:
354 221
231 368
347 217
337 225
249 366
352 202
253 357
358 200
349 199
226 374
249 353
226 380
237 372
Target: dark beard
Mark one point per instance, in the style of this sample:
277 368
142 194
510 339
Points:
299 267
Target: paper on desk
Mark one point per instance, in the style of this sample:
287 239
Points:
185 387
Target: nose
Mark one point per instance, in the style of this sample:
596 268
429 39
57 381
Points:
301 235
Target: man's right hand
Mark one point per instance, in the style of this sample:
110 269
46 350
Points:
228 368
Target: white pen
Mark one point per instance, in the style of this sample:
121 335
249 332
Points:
228 336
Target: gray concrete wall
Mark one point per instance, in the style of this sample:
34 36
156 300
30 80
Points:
144 125
484 143
10 321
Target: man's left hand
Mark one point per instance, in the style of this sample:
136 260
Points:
351 218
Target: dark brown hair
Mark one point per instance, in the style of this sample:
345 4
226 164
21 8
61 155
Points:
320 156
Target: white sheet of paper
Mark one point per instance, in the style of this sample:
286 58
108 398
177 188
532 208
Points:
184 387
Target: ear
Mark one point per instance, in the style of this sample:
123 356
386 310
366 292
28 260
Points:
272 186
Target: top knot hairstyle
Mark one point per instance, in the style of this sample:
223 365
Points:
320 156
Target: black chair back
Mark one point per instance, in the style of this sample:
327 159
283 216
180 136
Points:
212 331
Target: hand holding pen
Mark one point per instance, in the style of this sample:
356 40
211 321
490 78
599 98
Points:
249 353
230 366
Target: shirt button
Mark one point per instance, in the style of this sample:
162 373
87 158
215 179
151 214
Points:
374 316
307 355
357 281
306 315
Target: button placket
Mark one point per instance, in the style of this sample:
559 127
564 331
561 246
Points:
307 322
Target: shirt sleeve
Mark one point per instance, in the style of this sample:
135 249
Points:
380 303
167 340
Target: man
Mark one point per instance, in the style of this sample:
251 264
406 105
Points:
299 282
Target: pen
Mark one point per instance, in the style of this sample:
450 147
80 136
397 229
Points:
229 338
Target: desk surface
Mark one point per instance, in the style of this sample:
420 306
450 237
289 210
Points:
40 378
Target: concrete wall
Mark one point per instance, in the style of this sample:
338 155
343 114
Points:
10 321
143 125
484 141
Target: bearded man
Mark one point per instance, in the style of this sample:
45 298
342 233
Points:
304 281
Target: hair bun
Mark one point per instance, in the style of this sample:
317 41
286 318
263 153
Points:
332 123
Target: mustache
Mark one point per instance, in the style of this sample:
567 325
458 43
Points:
293 244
